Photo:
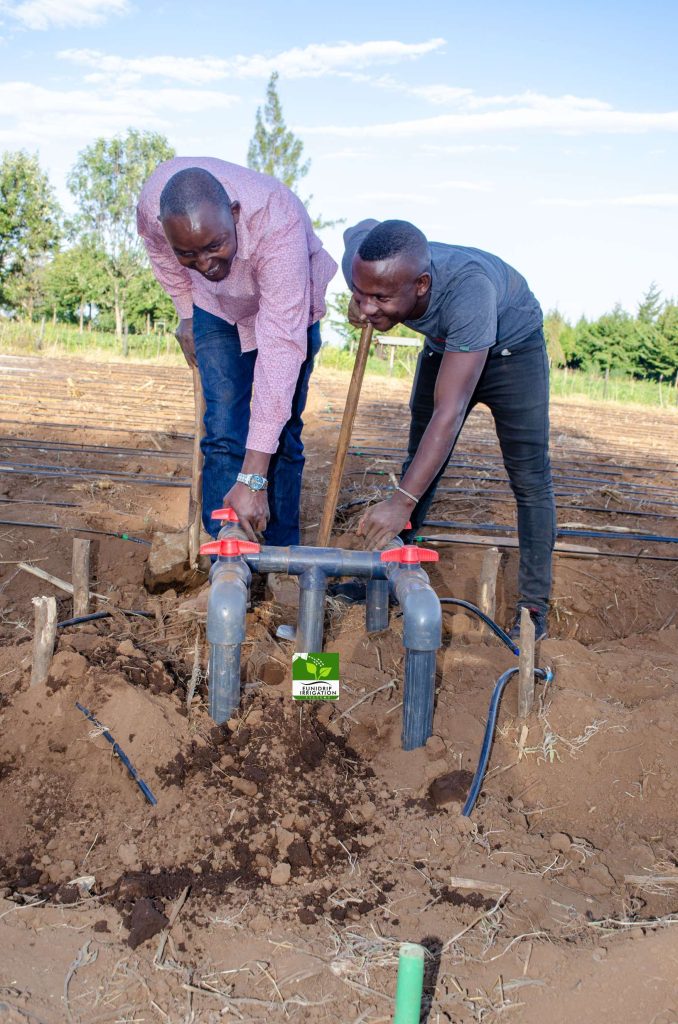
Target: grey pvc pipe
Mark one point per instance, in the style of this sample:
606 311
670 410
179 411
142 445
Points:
418 698
223 681
376 606
310 624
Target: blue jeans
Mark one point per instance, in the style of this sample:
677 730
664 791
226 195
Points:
516 390
227 374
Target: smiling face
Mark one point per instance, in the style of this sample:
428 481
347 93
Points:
205 239
390 291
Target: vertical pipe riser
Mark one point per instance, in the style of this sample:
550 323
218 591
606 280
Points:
376 608
418 698
223 681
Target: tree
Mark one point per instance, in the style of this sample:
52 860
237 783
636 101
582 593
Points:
555 329
75 285
30 228
274 149
106 182
651 305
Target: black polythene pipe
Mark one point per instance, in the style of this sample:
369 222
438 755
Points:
594 554
93 616
85 474
655 538
74 529
496 629
499 686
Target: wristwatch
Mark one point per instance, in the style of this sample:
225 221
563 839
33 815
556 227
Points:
254 481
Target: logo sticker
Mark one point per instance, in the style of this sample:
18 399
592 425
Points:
315 676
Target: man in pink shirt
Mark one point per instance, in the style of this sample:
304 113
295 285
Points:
236 252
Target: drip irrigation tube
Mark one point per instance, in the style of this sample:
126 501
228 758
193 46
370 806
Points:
76 472
74 529
117 749
595 552
541 673
654 538
93 616
496 629
30 444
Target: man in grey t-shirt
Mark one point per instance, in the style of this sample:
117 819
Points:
484 343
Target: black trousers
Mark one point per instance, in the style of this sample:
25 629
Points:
515 387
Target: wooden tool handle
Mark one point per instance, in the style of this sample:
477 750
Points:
343 442
195 502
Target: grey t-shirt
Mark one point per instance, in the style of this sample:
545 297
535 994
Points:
477 301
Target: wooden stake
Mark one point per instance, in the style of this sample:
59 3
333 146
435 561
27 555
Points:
80 576
195 501
334 486
44 638
526 665
487 588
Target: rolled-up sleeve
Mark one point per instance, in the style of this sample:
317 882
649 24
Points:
173 278
281 325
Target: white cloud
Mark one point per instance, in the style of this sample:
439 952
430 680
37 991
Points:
79 114
528 112
660 200
44 14
312 61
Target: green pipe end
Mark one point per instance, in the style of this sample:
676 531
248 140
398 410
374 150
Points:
410 983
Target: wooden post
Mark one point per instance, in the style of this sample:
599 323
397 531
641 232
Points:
334 485
526 665
80 576
195 500
487 586
44 638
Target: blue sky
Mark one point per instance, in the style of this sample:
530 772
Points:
549 137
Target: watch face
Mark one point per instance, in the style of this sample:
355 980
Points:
257 482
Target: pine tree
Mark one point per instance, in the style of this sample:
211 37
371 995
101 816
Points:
651 306
274 149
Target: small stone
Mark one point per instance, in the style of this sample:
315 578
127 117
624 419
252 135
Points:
167 560
306 916
560 841
281 874
287 821
67 868
245 786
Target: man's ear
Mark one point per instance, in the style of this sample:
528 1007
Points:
235 211
423 284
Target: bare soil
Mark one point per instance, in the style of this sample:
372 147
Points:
299 845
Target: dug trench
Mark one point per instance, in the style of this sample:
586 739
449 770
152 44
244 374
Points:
308 843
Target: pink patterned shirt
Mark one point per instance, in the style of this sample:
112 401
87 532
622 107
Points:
274 292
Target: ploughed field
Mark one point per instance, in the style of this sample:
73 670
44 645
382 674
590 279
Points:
293 849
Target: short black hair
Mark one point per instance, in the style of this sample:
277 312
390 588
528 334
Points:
188 189
395 238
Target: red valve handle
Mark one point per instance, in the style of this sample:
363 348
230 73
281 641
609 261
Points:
228 514
229 547
409 554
